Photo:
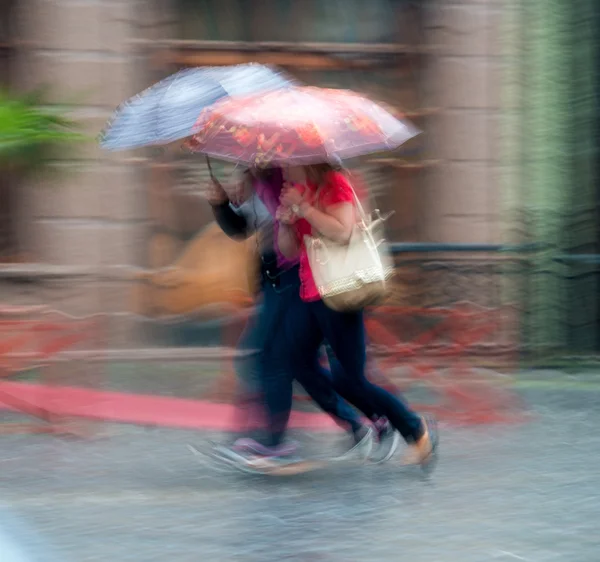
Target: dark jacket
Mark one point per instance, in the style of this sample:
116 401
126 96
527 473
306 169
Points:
232 224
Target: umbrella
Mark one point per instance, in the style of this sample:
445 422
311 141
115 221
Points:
167 111
298 126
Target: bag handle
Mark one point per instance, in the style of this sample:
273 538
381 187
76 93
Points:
362 215
361 212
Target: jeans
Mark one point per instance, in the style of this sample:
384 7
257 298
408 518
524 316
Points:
260 341
306 326
347 390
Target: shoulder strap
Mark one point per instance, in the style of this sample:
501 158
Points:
361 212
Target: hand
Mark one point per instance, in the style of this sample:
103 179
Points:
285 215
215 194
290 195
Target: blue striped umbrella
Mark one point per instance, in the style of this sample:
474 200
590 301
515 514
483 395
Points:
167 111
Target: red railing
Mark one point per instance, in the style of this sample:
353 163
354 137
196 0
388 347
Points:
33 339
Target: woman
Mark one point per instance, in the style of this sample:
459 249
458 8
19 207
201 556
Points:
256 197
326 204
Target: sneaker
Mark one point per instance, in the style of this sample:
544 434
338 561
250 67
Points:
362 446
251 446
423 451
231 457
249 455
265 465
386 442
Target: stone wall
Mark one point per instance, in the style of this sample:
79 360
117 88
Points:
89 211
465 80
92 212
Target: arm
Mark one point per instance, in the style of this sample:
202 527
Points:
232 224
336 224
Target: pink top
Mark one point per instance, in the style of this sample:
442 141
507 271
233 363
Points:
269 192
336 189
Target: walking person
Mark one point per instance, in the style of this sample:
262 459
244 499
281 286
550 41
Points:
256 195
326 205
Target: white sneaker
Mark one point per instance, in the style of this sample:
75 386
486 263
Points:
363 445
386 443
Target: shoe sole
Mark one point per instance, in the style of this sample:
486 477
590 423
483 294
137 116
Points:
232 460
300 467
224 457
208 459
430 462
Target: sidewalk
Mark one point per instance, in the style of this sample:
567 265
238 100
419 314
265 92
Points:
527 493
174 398
18 543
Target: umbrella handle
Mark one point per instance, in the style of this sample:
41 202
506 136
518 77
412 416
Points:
209 168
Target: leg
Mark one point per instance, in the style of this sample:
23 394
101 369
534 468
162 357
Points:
298 330
295 327
346 335
270 385
346 389
318 384
248 403
277 390
387 438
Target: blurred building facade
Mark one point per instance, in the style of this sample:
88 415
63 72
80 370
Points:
95 54
443 63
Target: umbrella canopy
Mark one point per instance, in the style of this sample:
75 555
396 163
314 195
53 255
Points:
298 126
167 111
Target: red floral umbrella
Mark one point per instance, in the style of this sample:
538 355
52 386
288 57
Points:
297 126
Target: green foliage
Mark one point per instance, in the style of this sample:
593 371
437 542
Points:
32 133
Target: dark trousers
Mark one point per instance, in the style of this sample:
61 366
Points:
261 340
303 331
346 389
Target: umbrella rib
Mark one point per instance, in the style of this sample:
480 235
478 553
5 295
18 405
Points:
159 115
159 102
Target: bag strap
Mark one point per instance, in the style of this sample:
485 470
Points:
361 211
362 215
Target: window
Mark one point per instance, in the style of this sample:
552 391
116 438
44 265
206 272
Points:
373 46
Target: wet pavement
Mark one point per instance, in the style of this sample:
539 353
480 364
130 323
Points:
523 492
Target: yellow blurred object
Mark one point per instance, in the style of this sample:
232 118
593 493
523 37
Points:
213 272
163 248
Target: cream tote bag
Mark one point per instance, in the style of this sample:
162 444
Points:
357 274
